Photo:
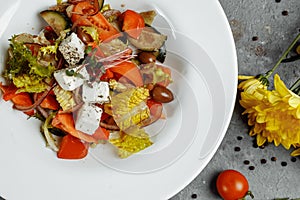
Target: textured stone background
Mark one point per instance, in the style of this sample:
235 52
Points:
262 30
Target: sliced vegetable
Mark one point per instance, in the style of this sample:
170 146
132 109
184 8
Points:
9 91
87 34
49 102
57 20
19 99
23 99
148 40
53 144
72 148
132 23
82 16
148 16
130 71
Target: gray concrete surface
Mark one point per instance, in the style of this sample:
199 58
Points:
275 23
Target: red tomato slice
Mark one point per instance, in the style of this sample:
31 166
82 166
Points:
133 23
49 102
21 99
130 71
82 16
9 91
72 148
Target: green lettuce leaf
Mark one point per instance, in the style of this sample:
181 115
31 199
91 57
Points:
27 73
29 83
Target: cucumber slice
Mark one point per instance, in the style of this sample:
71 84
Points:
149 40
57 20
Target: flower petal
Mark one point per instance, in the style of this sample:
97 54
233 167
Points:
296 152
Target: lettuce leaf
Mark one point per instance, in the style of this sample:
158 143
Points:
128 144
25 70
129 107
29 83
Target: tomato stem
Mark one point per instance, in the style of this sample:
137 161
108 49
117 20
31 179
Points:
249 193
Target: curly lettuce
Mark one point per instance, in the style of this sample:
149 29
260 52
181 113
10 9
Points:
27 73
29 83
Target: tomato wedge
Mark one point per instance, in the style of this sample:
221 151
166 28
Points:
132 23
83 15
20 99
49 102
9 91
101 134
130 71
72 148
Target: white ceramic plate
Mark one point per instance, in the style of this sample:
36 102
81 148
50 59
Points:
205 93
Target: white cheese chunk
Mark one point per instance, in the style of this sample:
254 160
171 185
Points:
96 92
88 118
72 49
71 78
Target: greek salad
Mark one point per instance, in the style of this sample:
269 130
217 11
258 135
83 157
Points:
92 75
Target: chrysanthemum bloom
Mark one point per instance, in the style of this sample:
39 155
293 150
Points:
274 116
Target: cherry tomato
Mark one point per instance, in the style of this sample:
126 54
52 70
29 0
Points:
232 185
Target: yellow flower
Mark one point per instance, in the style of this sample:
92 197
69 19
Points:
274 115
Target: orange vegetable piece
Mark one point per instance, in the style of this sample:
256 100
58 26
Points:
21 99
101 134
9 91
72 148
130 71
107 75
133 23
65 122
82 16
49 102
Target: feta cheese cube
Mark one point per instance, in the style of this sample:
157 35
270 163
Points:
72 49
96 92
71 78
88 118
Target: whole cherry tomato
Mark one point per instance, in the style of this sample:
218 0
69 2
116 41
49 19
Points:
232 185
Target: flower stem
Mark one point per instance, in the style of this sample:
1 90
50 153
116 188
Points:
296 87
284 55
